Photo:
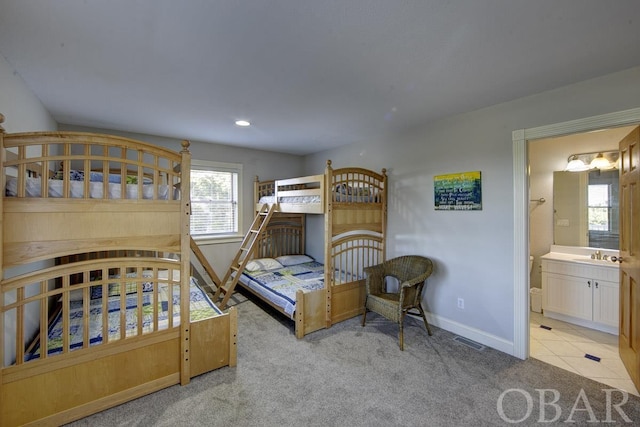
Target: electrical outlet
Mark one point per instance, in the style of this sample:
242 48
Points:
461 303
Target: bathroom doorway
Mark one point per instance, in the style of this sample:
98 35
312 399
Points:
522 198
568 226
558 214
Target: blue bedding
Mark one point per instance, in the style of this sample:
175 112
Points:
77 175
201 307
280 285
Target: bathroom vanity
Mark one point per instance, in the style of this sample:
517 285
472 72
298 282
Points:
581 286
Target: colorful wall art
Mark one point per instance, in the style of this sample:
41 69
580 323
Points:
458 191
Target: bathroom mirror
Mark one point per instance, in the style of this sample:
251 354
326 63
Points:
585 209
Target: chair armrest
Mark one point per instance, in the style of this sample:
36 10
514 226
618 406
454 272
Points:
415 281
410 290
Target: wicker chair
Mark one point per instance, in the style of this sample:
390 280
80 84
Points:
411 272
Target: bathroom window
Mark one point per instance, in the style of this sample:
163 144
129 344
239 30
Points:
599 207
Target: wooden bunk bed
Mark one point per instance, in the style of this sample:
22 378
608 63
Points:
97 303
354 204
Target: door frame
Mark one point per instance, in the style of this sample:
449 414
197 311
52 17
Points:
521 208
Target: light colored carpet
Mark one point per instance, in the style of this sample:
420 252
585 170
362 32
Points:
353 376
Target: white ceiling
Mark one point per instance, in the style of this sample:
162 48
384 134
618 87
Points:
309 74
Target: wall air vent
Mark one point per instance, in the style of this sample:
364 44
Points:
469 343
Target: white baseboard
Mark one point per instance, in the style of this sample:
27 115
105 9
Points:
474 334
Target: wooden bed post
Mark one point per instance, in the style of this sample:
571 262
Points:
328 226
256 192
185 259
383 248
3 157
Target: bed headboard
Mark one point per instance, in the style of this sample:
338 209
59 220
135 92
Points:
74 258
284 236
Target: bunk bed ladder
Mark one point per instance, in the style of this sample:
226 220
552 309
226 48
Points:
244 254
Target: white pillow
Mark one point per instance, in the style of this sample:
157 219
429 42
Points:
263 264
288 260
75 295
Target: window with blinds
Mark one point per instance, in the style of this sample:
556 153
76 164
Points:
215 189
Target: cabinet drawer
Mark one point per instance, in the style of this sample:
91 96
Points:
576 269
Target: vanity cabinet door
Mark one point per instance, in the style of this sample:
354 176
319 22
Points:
606 302
568 295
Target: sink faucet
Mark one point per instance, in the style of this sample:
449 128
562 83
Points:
598 254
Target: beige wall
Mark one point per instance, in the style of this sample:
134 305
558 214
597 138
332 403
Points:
569 194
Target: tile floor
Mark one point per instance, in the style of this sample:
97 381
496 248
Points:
565 346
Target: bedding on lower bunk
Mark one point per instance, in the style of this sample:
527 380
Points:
279 284
33 188
201 307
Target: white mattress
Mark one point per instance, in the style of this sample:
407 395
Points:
33 188
294 199
316 199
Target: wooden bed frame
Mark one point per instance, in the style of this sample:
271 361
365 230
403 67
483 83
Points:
37 232
354 237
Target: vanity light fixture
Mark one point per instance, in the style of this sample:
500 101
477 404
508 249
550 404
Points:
576 165
603 160
243 123
600 162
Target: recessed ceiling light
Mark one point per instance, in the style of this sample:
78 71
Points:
242 123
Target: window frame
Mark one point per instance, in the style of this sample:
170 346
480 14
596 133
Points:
214 166
606 207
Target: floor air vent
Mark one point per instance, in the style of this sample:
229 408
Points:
474 345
